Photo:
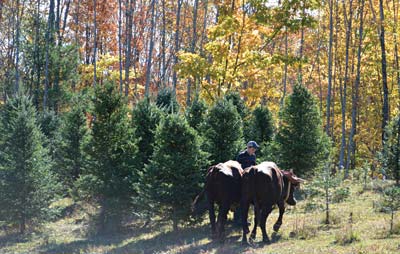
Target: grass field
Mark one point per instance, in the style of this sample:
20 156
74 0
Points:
300 233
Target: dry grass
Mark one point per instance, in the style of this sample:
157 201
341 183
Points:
300 233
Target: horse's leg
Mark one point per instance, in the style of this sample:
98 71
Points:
222 214
265 211
211 213
257 219
278 223
244 204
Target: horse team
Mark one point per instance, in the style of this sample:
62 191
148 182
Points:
263 185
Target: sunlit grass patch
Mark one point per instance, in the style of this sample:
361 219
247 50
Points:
301 232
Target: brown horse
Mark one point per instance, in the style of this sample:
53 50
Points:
265 185
223 187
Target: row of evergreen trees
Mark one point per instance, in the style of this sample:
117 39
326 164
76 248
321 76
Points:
148 161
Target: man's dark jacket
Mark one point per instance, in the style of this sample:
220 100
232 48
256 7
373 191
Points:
245 159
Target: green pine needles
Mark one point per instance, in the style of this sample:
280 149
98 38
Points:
391 149
223 132
301 141
72 154
195 113
112 166
27 184
145 118
260 128
173 177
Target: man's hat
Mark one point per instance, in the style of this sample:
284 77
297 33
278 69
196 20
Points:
253 144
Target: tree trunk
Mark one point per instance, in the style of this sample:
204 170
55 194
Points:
397 169
336 73
175 224
49 40
120 45
76 21
285 68
396 53
66 14
300 71
163 69
129 24
385 106
177 44
1 10
396 57
355 94
239 45
328 98
9 57
230 47
204 33
56 64
95 43
22 225
327 219
343 91
192 47
18 30
57 21
37 55
151 46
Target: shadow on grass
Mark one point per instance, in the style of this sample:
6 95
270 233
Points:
230 245
165 241
275 237
87 245
193 240
12 238
185 241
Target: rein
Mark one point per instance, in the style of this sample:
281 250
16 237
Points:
288 191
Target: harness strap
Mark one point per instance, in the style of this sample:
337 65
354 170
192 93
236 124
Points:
288 191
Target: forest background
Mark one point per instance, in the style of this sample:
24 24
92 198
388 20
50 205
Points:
97 97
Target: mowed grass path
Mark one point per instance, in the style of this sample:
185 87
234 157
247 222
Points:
300 233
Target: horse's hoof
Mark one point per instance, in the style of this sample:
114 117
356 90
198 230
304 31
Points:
252 240
245 243
266 241
276 227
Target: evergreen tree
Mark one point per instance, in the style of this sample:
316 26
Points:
391 203
301 141
391 152
72 156
238 102
145 118
112 150
328 182
223 132
260 127
27 184
166 100
50 125
174 175
195 113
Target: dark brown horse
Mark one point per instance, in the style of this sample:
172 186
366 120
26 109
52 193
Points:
223 187
265 185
